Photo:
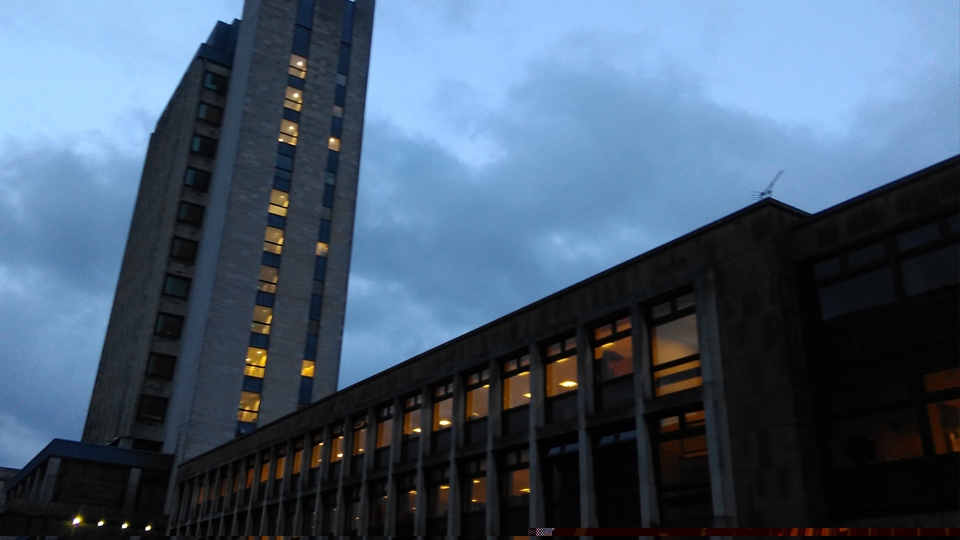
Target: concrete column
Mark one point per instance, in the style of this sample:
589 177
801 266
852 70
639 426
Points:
493 517
369 449
586 403
643 391
585 406
49 481
537 418
714 403
426 421
130 496
456 440
395 439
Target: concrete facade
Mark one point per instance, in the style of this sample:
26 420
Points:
782 424
195 406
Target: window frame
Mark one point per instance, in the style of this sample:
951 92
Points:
676 312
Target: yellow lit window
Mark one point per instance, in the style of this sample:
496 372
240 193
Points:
293 99
250 401
336 449
516 390
442 414
297 462
285 138
262 319
384 432
315 455
264 471
246 416
279 201
298 66
306 369
273 240
256 361
281 463
322 249
411 422
333 144
359 440
478 401
268 278
562 376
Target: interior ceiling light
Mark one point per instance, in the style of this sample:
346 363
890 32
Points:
568 384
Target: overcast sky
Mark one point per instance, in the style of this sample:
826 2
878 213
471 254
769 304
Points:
511 148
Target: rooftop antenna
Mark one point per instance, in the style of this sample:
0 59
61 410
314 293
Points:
765 194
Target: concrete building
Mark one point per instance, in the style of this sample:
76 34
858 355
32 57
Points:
773 368
229 308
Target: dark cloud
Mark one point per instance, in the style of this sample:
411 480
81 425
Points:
594 166
65 215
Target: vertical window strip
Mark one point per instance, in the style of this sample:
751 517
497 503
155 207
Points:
249 407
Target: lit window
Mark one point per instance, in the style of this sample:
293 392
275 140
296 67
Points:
315 453
333 144
516 382
262 319
443 413
273 240
256 362
675 346
411 416
359 437
384 426
293 99
268 279
336 449
613 350
478 395
561 367
298 66
322 249
289 128
279 201
306 368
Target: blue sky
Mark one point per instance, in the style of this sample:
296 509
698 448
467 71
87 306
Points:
511 149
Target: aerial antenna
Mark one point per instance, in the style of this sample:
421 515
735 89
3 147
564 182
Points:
765 194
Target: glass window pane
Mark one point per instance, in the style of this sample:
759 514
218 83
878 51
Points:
477 495
263 314
359 441
877 438
176 286
273 235
516 390
684 461
675 339
411 422
384 433
866 255
336 449
942 380
603 331
918 237
293 99
256 357
249 401
623 324
562 376
945 425
862 292
306 368
518 487
333 143
931 271
315 455
614 359
442 414
826 268
677 378
478 401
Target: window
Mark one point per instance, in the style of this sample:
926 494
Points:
273 240
215 82
682 471
931 271
328 195
176 286
616 476
205 146
324 235
268 279
297 465
943 409
301 41
289 131
322 249
378 508
333 143
315 449
384 426
438 500
515 485
161 366
561 367
197 179
359 437
249 406
410 446
443 407
675 345
262 319
298 66
210 113
256 362
293 99
336 444
877 438
613 350
871 290
516 382
474 497
190 213
320 268
183 249
152 408
168 325
406 504
478 395
561 483
279 200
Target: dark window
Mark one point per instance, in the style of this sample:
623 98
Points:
306 390
515 492
260 341
866 255
301 41
205 146
281 180
286 149
339 95
336 127
183 249
153 408
190 213
291 115
862 292
305 13
324 235
294 81
343 65
161 365
406 504
320 269
270 259
683 474
378 508
316 302
253 384
168 325
215 82
210 113
284 163
333 161
176 286
561 484
438 501
328 192
310 348
931 271
197 179
265 298
274 220
347 33
617 477
918 237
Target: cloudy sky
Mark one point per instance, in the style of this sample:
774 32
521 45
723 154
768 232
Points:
512 148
